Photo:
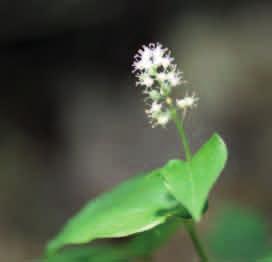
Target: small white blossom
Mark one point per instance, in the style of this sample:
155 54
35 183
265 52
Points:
166 61
158 54
142 64
143 59
162 76
145 80
161 56
152 56
157 116
174 78
155 107
154 110
163 118
187 102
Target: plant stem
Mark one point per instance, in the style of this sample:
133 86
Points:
183 137
191 229
189 224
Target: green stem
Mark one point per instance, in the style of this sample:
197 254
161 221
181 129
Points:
191 229
190 224
183 137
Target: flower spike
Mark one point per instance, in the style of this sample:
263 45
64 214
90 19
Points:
156 72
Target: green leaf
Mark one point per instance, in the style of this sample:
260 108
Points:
91 254
191 182
146 243
141 245
134 206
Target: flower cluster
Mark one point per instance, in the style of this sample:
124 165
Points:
156 72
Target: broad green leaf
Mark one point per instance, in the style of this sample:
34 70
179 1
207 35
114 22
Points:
191 182
141 245
134 206
91 254
238 234
146 243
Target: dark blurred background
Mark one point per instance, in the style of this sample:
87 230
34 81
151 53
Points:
72 122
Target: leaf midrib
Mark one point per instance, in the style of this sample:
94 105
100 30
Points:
192 186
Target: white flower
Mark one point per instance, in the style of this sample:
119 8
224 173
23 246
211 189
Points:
142 64
162 76
146 53
158 54
161 56
163 118
157 116
166 61
155 108
152 56
143 59
187 102
174 78
145 80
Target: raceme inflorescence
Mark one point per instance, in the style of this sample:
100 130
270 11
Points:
159 76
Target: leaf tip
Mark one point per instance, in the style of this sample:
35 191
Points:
220 141
52 247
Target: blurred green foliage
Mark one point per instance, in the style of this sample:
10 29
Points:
238 235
